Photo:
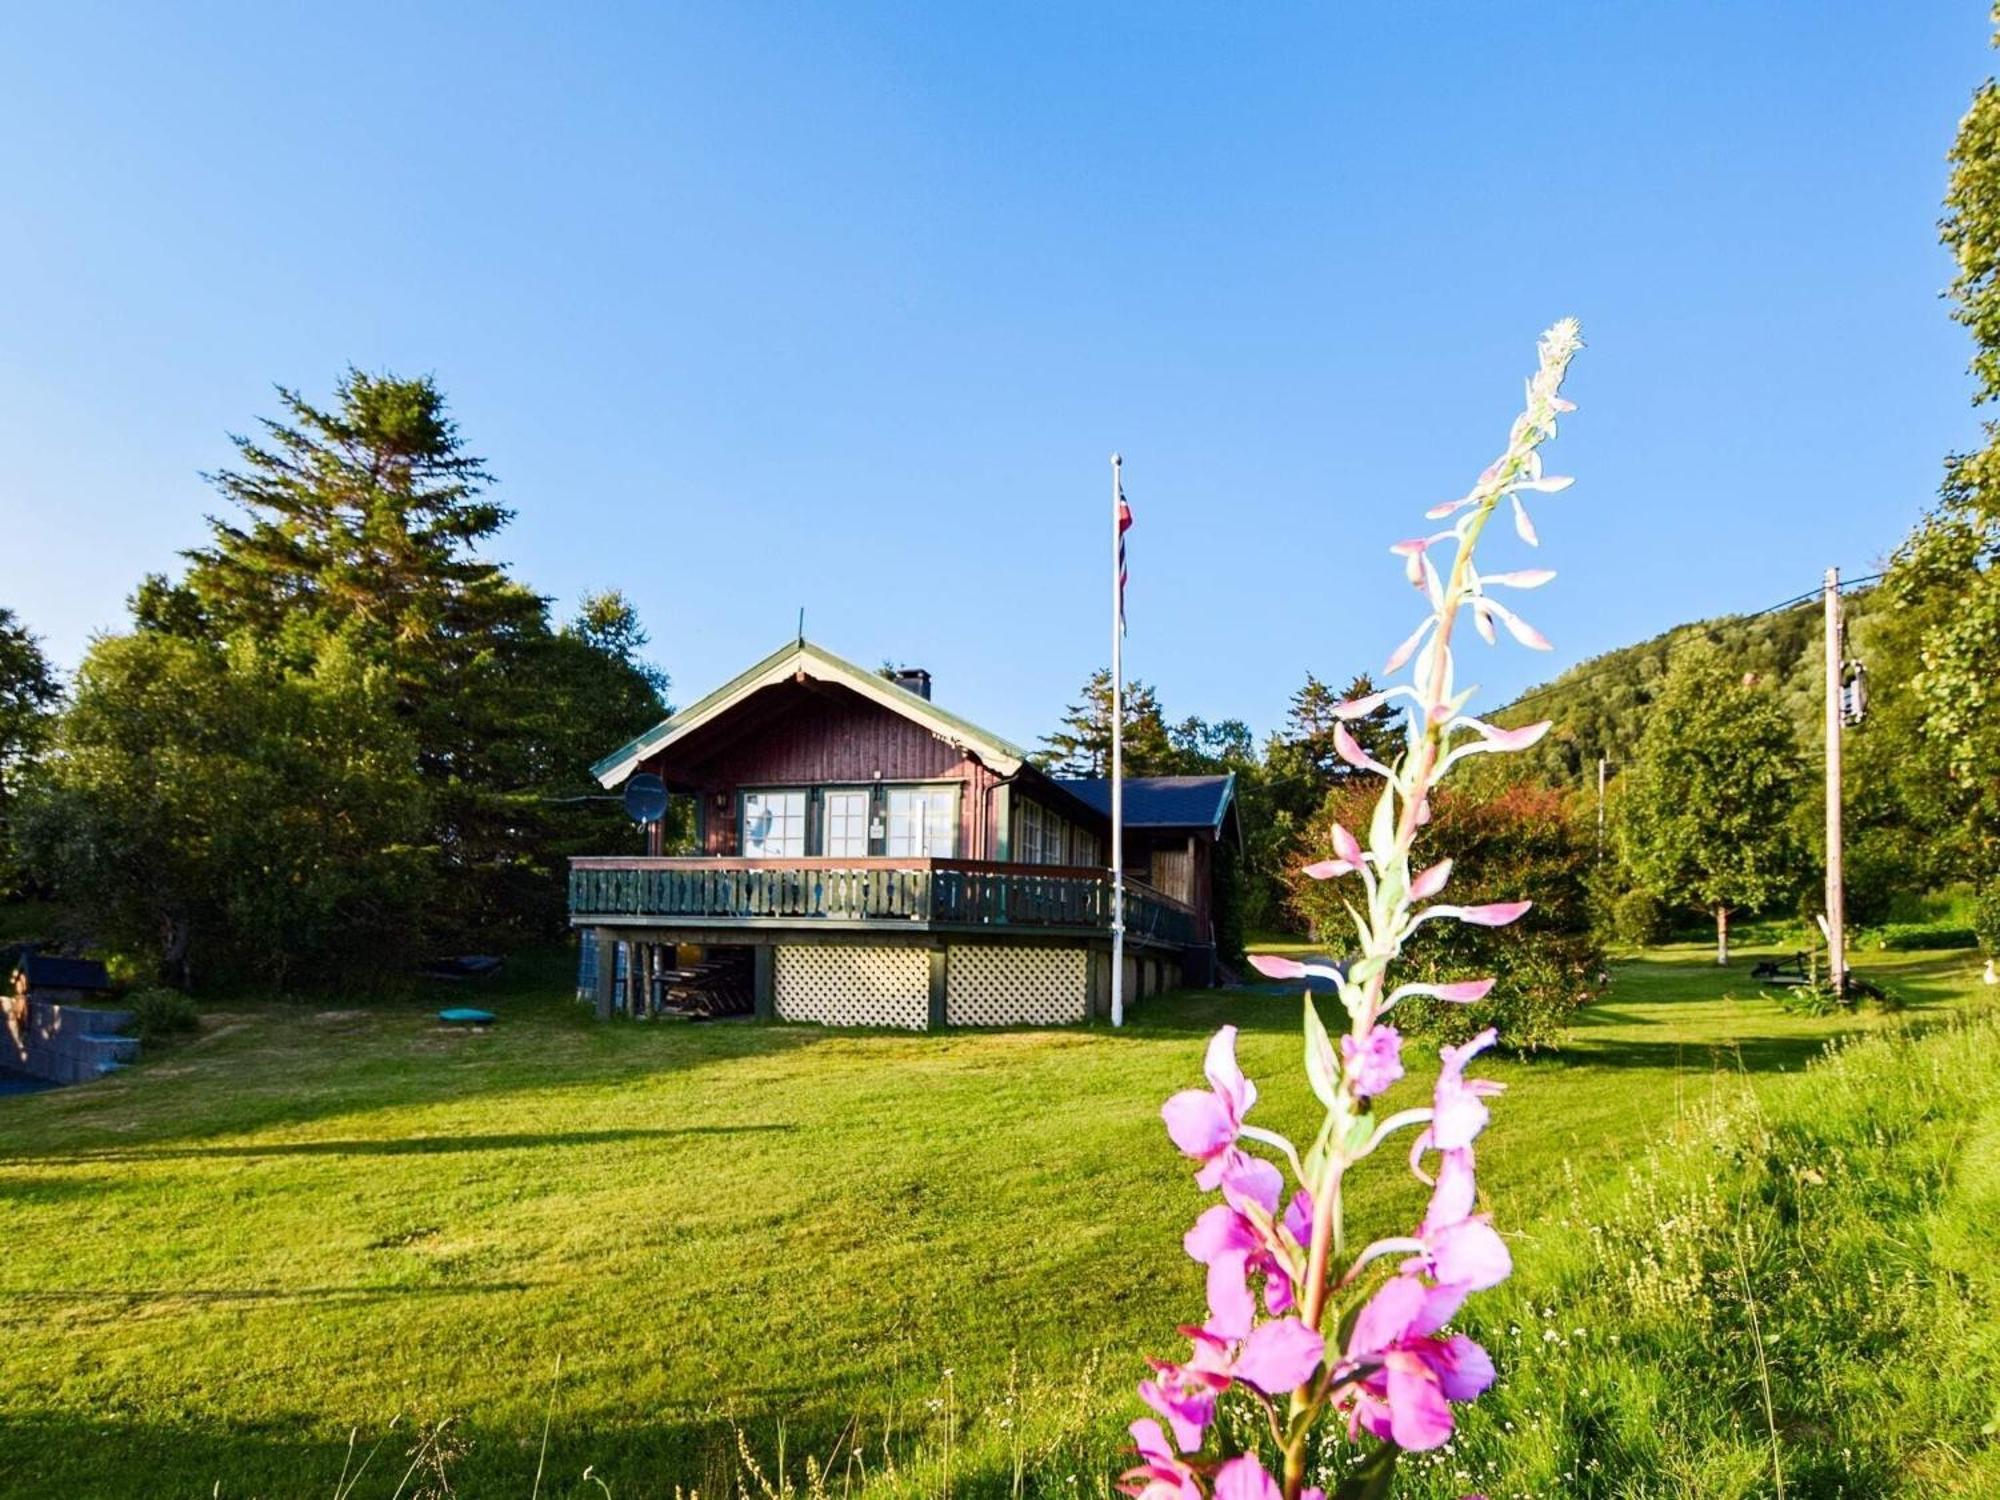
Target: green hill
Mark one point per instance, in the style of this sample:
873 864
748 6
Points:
1599 706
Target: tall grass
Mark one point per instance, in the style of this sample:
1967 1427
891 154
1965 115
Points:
1798 1298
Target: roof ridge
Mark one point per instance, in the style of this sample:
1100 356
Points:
621 762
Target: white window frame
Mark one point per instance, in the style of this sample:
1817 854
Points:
844 822
919 837
1030 852
783 809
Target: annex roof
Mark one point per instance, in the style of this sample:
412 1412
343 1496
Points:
1161 801
51 971
802 658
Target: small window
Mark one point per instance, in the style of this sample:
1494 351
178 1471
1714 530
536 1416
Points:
847 825
923 822
774 825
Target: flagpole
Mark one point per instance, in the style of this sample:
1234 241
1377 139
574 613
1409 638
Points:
1117 752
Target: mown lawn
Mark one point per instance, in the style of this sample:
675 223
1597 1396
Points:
944 1253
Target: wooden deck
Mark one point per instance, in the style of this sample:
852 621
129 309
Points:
943 895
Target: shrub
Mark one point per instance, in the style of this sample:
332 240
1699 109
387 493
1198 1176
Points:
1638 920
1816 999
1519 842
158 1014
1986 918
1906 937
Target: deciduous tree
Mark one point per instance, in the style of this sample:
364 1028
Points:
1706 818
29 693
229 815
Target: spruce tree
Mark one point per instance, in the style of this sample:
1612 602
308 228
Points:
1081 746
367 522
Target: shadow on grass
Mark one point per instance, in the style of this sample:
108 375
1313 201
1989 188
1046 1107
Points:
301 1071
427 1145
109 1296
58 1453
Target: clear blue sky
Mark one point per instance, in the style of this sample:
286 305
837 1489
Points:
754 306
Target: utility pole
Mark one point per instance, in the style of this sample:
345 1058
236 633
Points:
1602 762
1836 899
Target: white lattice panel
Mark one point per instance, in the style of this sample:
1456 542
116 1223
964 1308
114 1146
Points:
992 986
854 986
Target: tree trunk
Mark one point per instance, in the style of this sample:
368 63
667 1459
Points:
176 938
1722 936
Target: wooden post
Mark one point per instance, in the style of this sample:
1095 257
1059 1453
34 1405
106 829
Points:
607 971
764 980
1836 893
940 969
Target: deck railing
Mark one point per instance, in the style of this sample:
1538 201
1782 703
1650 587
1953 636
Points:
946 893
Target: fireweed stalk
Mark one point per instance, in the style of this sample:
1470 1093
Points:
1359 1337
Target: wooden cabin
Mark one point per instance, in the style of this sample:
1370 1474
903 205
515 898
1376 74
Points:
868 858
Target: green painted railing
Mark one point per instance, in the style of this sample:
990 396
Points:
950 893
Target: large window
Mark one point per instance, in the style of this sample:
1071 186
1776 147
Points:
1034 834
774 825
923 822
1043 837
847 825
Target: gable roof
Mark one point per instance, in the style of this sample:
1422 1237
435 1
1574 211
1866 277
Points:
1161 801
802 658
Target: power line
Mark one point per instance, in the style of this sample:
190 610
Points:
1811 596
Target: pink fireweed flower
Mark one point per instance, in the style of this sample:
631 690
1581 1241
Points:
1458 1104
1355 708
1250 1181
1485 611
1348 748
1431 881
1408 649
1279 1356
1160 1474
1373 1062
1236 1247
1275 966
1493 914
1520 578
1204 1123
1243 1478
1274 1357
1461 1248
1412 1373
1458 992
1523 527
1496 738
1298 1219
1185 1394
1329 869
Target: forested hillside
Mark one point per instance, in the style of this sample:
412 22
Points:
1599 706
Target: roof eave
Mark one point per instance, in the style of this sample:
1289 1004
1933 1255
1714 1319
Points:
814 661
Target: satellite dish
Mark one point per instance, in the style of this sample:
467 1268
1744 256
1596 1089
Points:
645 798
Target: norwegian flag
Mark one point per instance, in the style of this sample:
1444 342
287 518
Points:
1124 525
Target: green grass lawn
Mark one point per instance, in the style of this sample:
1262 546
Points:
314 1220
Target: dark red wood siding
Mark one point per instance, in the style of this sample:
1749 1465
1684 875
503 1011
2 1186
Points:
800 734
